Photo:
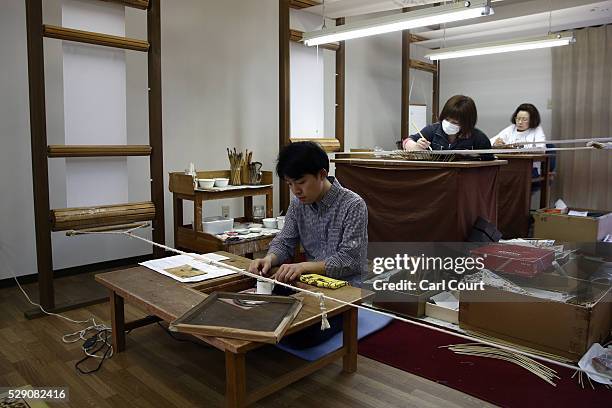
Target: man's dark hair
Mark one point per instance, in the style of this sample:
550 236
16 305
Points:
463 109
301 158
534 115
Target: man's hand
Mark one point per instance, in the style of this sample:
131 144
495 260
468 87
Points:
261 266
290 272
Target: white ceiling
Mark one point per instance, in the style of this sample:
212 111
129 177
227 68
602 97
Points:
512 18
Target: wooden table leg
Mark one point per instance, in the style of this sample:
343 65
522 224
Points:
177 204
544 187
117 322
349 340
235 379
197 214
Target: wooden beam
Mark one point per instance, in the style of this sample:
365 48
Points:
405 104
156 162
296 36
300 4
328 144
40 169
106 40
416 38
284 78
423 66
139 4
340 89
97 150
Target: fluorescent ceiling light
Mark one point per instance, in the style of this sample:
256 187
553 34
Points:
403 21
520 44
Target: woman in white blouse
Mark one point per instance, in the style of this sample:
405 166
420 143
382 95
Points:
525 128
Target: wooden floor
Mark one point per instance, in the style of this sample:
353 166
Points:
158 371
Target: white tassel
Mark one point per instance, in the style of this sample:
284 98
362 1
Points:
324 322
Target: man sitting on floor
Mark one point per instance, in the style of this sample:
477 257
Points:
330 221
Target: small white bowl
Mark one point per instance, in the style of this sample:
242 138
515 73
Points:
269 222
221 182
206 183
242 231
255 230
280 222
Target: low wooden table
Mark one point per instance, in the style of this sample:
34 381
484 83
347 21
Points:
167 299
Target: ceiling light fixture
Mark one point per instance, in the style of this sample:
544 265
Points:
403 21
520 44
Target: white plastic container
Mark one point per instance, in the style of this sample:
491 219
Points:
217 225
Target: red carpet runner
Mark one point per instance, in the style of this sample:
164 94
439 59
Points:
415 349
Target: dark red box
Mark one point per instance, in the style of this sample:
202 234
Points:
515 259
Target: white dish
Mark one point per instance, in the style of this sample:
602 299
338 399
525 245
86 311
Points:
242 231
255 225
206 183
221 182
269 223
255 230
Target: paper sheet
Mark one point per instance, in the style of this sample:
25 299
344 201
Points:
185 269
578 213
447 300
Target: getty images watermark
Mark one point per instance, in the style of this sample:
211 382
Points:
422 265
414 268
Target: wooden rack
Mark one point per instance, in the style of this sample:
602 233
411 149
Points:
47 220
193 238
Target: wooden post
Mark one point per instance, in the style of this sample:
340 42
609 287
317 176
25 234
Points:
40 169
340 88
435 98
156 162
405 105
284 91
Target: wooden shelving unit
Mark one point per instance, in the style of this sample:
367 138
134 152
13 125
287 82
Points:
193 238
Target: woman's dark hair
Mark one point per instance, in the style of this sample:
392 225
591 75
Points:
298 159
463 109
534 115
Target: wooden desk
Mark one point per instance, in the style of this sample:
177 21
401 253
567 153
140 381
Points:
422 201
515 181
194 239
167 299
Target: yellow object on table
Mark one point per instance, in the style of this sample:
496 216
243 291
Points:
321 281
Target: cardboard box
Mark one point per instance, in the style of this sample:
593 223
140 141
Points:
571 228
442 313
515 259
563 329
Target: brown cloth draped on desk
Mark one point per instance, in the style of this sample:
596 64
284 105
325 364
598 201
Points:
514 198
422 204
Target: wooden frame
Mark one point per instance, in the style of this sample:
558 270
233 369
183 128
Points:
36 31
184 323
286 34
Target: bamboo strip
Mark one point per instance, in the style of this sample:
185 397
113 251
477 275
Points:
88 37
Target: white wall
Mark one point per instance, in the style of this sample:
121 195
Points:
499 83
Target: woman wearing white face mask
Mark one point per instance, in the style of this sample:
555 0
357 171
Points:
455 131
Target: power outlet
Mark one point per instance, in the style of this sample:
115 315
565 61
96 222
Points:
225 211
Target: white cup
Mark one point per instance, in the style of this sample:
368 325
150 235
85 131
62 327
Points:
264 287
280 221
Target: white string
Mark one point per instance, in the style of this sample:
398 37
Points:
323 314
